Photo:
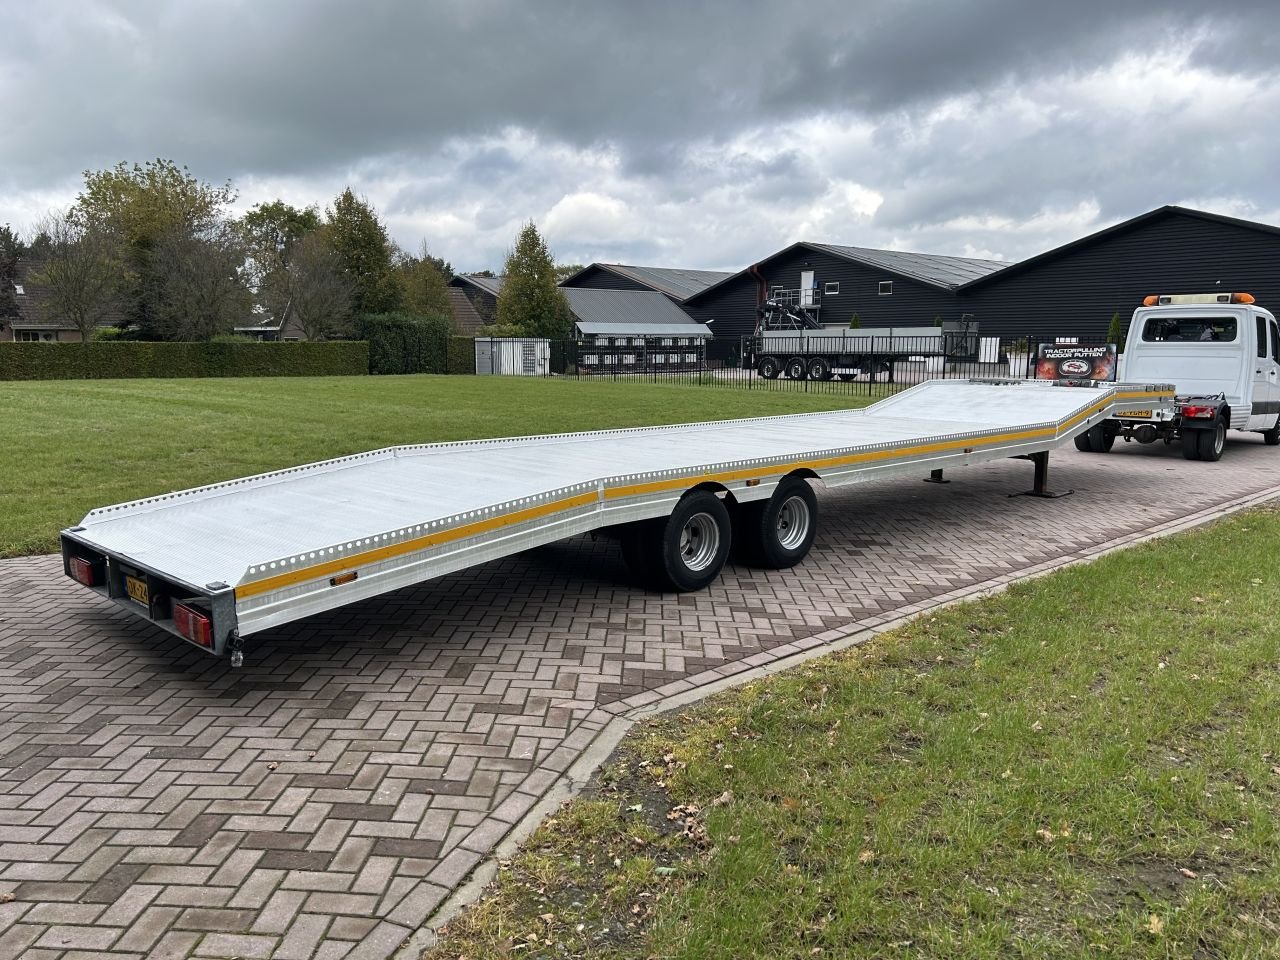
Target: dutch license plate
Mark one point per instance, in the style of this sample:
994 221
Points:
137 590
1140 414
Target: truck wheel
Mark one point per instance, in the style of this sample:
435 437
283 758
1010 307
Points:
769 367
1190 444
777 533
1082 442
1212 442
1101 440
1272 437
819 369
685 551
796 368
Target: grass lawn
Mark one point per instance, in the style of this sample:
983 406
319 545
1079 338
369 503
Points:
70 446
1088 765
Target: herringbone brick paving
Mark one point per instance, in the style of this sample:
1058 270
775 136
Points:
323 800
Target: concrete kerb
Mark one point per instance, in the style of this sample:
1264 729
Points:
709 683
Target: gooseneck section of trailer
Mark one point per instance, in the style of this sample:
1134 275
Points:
218 563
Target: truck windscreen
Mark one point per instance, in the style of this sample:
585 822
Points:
1193 329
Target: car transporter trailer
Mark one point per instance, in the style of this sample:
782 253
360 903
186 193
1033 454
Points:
218 563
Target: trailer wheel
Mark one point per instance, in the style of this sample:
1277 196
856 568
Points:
685 551
1082 442
1212 441
1190 444
769 367
1101 440
1272 437
796 368
819 369
777 533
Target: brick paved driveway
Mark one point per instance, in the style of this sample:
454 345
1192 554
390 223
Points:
321 801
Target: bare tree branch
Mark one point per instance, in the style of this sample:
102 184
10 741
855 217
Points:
82 275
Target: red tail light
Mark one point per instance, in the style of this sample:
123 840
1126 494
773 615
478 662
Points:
1199 411
86 571
193 624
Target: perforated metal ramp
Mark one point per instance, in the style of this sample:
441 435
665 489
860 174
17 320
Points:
404 514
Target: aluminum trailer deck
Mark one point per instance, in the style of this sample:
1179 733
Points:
217 563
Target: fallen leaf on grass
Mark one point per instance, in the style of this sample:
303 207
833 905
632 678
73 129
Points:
866 856
723 800
1037 727
1189 874
1045 835
1155 925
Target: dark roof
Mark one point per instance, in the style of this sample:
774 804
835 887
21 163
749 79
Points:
465 316
628 310
34 312
1123 227
673 281
947 273
926 267
490 285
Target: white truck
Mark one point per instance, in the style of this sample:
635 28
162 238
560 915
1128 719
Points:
1221 351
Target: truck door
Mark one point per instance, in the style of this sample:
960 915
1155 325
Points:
1273 396
1265 399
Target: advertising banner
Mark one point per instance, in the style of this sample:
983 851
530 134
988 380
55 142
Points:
1074 362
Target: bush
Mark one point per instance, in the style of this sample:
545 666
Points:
123 360
405 343
462 355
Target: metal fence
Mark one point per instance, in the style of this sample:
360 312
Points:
841 362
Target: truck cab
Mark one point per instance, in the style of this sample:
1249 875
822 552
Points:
1222 352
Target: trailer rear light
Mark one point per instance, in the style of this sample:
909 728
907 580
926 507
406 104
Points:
1199 411
85 571
193 624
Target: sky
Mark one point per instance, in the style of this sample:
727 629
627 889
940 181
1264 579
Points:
658 132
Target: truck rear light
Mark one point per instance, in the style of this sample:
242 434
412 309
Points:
1199 411
85 571
193 624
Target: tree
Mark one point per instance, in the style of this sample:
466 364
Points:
320 293
530 299
1115 332
566 270
143 205
81 274
366 253
426 288
272 232
12 250
195 285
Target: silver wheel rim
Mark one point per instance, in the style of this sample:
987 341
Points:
792 525
699 542
1219 438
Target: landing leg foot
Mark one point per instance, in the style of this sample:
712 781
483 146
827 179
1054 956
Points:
1040 485
237 651
935 476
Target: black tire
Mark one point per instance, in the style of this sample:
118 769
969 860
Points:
769 367
1190 444
777 533
1212 441
1082 442
685 551
796 368
819 369
1272 437
1101 440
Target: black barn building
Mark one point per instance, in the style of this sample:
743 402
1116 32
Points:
881 287
677 284
1075 289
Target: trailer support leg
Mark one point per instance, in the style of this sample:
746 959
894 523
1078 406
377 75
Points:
237 650
1040 485
935 476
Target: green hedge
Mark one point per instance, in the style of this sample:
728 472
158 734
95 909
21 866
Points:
462 355
406 343
121 360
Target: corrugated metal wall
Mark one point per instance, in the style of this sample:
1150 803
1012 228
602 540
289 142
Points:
596 279
1077 293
